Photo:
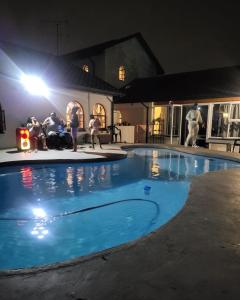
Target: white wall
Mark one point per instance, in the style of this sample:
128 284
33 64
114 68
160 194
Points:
134 113
19 105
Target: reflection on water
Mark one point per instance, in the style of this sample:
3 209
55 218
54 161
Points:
50 213
27 179
55 181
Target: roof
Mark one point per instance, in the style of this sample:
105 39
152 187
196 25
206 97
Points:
55 70
204 84
99 48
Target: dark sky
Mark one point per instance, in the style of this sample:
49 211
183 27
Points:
184 35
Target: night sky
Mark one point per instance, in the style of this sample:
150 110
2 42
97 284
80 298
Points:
184 35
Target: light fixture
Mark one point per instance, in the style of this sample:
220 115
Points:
34 85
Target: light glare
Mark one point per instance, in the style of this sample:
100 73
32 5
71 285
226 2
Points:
39 212
35 85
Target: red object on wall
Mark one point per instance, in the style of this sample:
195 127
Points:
22 139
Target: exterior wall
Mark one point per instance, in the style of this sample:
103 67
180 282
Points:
131 55
99 63
134 114
19 105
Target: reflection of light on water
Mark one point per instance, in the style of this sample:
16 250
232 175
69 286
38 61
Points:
155 168
40 230
155 154
103 173
70 177
195 163
27 178
80 175
39 212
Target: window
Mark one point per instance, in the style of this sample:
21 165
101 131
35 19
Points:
85 68
79 113
2 120
99 111
225 120
122 73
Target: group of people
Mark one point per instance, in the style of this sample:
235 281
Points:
51 132
48 134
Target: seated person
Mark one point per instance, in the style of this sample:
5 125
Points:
115 131
65 137
36 134
51 125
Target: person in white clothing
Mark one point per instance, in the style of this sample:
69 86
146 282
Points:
194 118
94 126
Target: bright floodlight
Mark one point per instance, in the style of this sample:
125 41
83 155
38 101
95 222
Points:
35 85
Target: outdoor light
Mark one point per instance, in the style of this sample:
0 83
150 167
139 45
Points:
34 85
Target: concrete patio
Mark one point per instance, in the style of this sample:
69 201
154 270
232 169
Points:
194 256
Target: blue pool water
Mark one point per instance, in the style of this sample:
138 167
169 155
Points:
55 212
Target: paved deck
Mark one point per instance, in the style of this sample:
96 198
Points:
195 256
84 154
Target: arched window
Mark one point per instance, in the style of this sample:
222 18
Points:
122 73
85 68
79 112
100 112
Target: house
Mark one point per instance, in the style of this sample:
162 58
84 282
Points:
161 103
118 61
67 86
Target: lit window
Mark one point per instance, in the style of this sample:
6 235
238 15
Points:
79 113
99 111
122 73
85 68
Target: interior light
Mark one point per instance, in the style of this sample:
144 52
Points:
225 115
34 85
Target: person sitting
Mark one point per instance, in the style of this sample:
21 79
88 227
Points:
36 134
65 137
51 125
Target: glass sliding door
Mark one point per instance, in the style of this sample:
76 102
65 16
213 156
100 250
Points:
225 121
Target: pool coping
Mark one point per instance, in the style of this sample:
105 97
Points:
111 157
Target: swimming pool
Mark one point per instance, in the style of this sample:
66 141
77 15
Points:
52 213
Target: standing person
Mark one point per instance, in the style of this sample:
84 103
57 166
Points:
115 131
74 126
94 125
194 118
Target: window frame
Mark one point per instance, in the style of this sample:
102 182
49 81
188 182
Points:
122 73
80 114
230 119
102 116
